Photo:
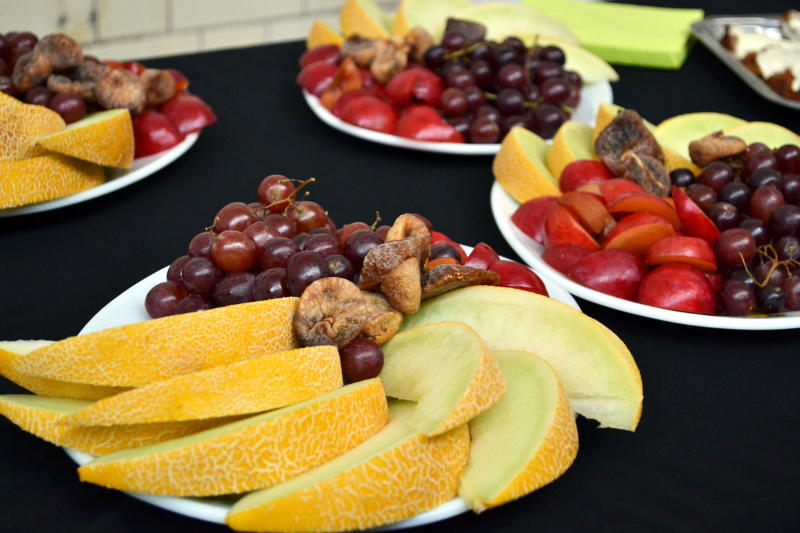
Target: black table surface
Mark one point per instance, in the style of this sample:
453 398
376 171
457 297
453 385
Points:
717 447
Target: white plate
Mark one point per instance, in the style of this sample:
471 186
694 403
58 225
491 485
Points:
128 308
591 97
503 206
142 167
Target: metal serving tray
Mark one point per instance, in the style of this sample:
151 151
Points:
711 30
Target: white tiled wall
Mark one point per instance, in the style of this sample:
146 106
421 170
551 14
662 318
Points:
138 29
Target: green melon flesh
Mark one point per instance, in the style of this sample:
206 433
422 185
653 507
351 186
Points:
677 132
100 116
591 67
63 406
597 370
504 438
430 14
433 366
504 20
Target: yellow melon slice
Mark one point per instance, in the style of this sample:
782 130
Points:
525 440
677 132
773 135
504 19
21 124
322 33
137 354
364 18
395 475
520 166
43 178
104 138
572 141
249 454
446 368
259 384
44 417
429 14
11 350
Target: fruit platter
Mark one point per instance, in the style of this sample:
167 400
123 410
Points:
694 221
75 127
286 368
449 76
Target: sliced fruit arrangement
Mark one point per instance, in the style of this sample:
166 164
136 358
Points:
699 214
448 70
382 375
64 116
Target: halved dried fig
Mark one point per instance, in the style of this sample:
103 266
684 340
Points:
159 85
647 171
362 49
121 88
63 51
383 321
419 40
406 225
384 258
444 278
713 147
331 312
625 133
32 69
402 287
58 83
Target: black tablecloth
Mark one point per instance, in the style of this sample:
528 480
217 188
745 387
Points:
717 447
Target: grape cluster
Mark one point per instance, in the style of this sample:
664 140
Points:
272 248
754 200
492 87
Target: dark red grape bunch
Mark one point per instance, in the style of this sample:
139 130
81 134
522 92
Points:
492 87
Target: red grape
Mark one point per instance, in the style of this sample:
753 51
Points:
555 90
791 287
765 201
484 130
771 299
460 78
785 221
324 244
270 283
736 298
261 232
361 359
735 193
552 53
482 70
788 158
509 101
283 225
276 191
716 174
454 102
765 176
192 303
200 245
234 216
307 215
791 188
163 298
35 95
511 75
454 41
71 107
735 246
235 288
723 215
547 118
546 70
758 229
703 195
358 244
340 267
200 276
758 160
276 253
444 250
303 269
475 97
233 251
175 269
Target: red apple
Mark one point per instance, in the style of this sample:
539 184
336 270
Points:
188 112
643 202
327 52
416 84
371 113
679 288
582 172
608 190
437 237
424 123
614 272
530 216
561 229
316 77
563 257
589 211
693 221
482 256
153 132
692 251
638 231
517 276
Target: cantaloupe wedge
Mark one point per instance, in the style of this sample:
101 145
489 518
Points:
322 33
21 124
596 368
447 369
249 454
525 440
396 474
503 19
44 417
364 18
11 350
43 178
572 141
429 14
768 133
137 354
104 138
520 166
251 386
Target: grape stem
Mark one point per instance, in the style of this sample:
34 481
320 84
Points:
378 220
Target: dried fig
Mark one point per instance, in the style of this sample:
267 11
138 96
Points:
382 320
159 85
91 71
121 88
63 51
406 225
419 40
714 146
390 60
384 258
402 287
625 133
59 83
444 278
331 312
362 50
31 69
647 171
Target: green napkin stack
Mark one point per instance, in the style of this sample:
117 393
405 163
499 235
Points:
627 34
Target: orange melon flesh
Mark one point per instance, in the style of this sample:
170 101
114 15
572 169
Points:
11 350
44 417
525 440
395 475
251 386
446 368
43 178
104 138
520 166
321 33
249 454
364 18
137 354
21 124
596 368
